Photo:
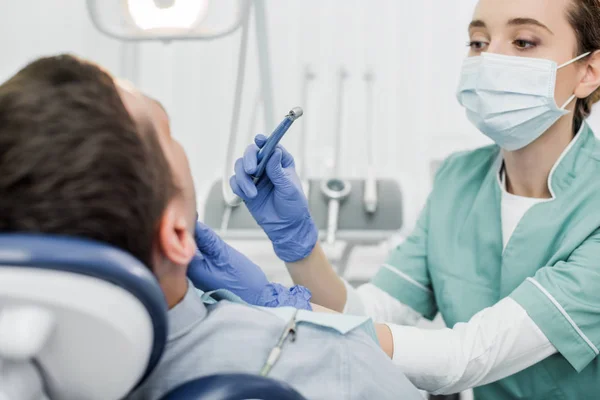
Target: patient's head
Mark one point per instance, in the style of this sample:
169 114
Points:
176 226
74 161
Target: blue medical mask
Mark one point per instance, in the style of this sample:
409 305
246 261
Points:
511 99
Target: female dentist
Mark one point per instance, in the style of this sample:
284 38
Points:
507 247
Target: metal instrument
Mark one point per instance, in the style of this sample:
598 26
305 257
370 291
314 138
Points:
289 331
370 192
336 190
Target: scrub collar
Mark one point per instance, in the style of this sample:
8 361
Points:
564 169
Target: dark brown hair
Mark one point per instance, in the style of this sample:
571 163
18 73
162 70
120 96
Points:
584 17
73 162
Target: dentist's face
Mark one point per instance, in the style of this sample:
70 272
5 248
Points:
529 28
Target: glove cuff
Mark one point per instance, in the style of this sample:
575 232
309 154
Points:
275 295
300 244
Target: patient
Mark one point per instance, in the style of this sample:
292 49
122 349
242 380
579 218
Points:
82 156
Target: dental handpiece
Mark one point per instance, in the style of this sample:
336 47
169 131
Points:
265 153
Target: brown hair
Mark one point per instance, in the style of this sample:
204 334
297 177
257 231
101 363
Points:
73 162
584 17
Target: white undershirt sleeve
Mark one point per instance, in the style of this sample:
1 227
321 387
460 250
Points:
497 342
373 302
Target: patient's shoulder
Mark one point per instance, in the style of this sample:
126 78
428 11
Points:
333 354
238 338
229 338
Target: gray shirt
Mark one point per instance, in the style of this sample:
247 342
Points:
227 337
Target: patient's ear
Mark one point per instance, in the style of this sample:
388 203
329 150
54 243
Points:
175 237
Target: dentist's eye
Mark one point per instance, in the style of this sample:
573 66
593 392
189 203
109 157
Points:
477 45
523 44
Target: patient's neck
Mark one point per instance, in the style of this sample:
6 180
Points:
174 288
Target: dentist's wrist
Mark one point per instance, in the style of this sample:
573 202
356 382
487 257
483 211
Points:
316 273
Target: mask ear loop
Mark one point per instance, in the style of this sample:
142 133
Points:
568 102
574 60
569 63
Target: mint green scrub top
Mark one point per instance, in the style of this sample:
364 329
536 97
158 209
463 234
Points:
454 263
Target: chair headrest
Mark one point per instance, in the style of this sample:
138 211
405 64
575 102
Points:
92 259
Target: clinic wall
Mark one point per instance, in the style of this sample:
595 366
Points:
33 28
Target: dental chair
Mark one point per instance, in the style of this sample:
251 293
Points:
81 320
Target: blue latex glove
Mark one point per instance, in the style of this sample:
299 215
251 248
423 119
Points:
277 201
217 265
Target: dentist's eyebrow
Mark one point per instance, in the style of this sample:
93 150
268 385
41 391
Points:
477 23
528 21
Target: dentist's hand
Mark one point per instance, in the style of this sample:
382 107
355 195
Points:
277 201
217 265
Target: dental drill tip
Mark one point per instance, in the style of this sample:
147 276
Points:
295 113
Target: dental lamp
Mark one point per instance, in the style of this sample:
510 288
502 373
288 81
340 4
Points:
167 20
165 14
164 3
